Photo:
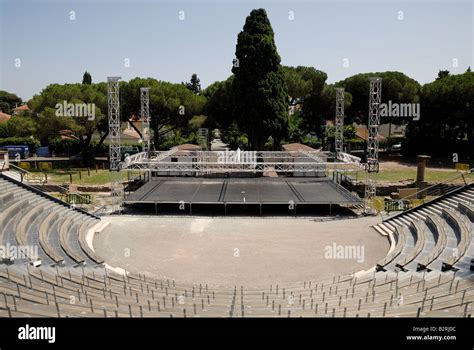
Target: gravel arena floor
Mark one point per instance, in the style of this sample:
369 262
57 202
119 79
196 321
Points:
240 251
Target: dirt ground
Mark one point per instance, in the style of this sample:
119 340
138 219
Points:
240 251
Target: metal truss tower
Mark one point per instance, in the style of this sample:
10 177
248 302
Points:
114 121
116 188
145 112
339 125
375 96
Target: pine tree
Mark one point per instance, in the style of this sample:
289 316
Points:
195 84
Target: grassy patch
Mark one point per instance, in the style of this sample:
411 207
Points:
101 177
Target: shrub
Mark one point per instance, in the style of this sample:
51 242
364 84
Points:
66 147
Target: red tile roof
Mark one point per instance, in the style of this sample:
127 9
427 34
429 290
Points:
21 108
4 117
188 147
295 147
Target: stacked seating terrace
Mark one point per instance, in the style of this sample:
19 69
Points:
426 273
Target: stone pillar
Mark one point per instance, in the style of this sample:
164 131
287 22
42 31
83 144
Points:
420 173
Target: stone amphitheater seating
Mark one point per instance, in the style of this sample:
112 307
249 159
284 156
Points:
441 232
419 277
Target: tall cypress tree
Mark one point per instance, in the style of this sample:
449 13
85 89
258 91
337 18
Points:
87 78
261 99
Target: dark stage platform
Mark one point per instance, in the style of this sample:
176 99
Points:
199 192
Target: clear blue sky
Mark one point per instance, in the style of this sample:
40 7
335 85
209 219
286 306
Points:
54 49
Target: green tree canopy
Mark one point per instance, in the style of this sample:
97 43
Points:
220 103
446 123
396 87
171 105
307 87
49 123
8 101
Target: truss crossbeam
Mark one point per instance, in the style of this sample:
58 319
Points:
243 167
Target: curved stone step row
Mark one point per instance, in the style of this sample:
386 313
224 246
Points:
419 236
29 236
444 239
463 236
418 245
422 244
399 237
465 262
5 199
465 196
50 237
441 250
68 239
452 251
83 232
34 218
467 209
406 249
32 228
430 240
70 232
8 223
416 239
46 231
30 211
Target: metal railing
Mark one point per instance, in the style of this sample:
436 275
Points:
33 180
30 178
427 194
138 157
340 177
159 156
